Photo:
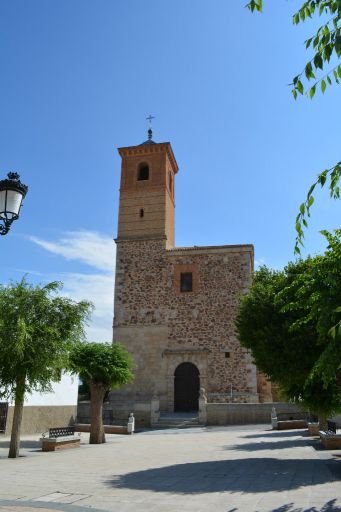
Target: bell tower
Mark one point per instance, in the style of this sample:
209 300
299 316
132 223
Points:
147 192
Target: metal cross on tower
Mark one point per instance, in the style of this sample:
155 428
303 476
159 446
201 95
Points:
150 131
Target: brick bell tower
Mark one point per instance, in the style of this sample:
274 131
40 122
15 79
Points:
147 192
145 234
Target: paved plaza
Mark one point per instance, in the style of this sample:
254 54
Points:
218 469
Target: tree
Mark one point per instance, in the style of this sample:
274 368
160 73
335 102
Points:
325 45
37 329
319 288
280 321
102 366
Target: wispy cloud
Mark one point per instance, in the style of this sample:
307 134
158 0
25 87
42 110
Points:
88 247
98 252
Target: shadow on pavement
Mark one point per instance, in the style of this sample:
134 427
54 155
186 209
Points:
272 445
23 444
277 433
330 506
240 475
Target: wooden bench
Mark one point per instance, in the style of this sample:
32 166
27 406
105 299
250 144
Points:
330 439
60 438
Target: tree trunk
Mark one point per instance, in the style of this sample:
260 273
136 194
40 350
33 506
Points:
323 423
96 405
17 418
338 380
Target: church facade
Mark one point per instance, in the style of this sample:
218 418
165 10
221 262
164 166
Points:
175 306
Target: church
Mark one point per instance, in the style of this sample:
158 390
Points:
175 306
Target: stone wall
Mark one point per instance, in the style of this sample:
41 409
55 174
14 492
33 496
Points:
119 412
38 419
244 414
162 327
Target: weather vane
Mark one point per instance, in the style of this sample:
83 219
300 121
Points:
150 131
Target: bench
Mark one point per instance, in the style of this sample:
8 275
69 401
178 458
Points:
111 429
108 429
330 439
60 438
288 420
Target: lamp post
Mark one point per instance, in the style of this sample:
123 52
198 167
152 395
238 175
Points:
12 193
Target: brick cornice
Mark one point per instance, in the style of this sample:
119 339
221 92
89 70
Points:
213 249
148 149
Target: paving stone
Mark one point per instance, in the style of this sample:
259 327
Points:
218 469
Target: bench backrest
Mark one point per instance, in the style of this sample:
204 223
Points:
331 425
61 431
287 416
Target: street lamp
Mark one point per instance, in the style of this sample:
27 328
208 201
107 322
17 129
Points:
12 193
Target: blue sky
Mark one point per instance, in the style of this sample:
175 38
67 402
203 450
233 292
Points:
77 81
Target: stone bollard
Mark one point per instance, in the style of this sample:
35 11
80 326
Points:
313 428
131 424
274 422
202 407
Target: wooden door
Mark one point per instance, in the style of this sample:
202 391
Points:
186 388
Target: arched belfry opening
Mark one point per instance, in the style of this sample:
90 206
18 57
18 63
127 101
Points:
143 172
186 388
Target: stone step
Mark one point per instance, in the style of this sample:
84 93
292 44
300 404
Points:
161 426
179 415
177 423
177 420
162 418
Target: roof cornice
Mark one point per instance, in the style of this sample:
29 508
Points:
146 149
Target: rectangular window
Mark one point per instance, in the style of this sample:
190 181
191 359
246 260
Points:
186 282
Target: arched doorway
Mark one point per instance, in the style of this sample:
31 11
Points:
186 388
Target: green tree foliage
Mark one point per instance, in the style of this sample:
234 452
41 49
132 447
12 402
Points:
320 72
37 329
103 366
319 288
285 321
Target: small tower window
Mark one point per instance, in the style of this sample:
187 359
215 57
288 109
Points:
142 213
186 282
143 173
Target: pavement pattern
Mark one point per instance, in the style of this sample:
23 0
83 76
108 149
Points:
220 469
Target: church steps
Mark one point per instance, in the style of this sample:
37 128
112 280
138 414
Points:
177 420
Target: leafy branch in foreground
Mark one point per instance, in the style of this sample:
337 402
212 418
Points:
331 177
326 43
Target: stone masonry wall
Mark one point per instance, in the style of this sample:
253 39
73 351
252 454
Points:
163 327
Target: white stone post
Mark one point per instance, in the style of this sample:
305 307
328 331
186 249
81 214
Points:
274 422
202 407
154 410
131 424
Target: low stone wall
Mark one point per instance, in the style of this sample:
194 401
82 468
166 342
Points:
291 424
108 429
211 413
38 419
243 414
120 413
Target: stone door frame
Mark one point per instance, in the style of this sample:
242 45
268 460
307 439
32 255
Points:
198 357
